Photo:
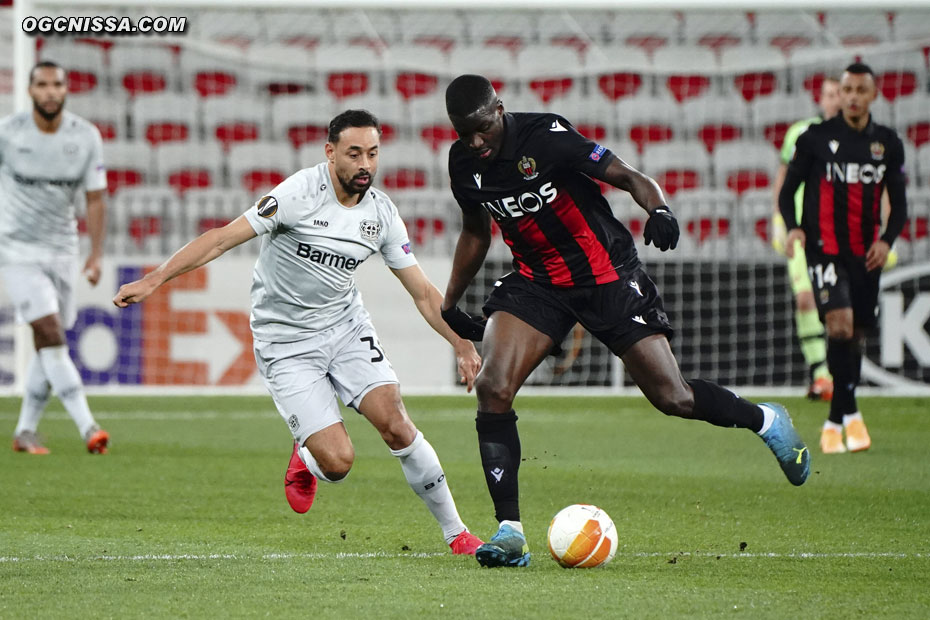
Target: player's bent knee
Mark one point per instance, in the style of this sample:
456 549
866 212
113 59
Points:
494 393
336 465
399 433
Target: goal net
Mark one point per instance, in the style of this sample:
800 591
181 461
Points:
198 124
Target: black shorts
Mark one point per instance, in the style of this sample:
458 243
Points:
844 282
619 314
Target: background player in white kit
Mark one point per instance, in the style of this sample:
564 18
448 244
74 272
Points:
313 338
46 156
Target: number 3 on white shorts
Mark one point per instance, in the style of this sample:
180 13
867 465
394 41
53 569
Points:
378 355
819 274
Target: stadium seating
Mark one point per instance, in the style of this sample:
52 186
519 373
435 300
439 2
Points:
618 71
753 71
647 30
922 162
510 30
144 220
856 27
109 120
165 117
645 120
898 75
85 65
210 74
910 24
299 119
723 120
716 30
685 71
787 30
444 30
228 26
280 69
310 154
744 165
408 164
415 70
144 69
677 165
297 28
707 221
495 63
127 165
754 222
912 117
808 66
551 73
774 114
374 28
186 166
257 167
211 208
347 70
233 119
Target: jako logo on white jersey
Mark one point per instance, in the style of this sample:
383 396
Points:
326 258
518 206
855 173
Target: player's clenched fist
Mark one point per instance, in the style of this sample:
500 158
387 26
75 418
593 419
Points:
133 292
661 229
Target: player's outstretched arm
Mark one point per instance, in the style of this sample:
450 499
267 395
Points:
661 228
428 299
96 225
211 244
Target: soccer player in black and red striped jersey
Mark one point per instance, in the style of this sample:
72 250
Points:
845 164
573 263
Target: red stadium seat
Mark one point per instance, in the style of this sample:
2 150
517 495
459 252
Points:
164 117
234 119
774 114
621 71
348 70
912 114
184 167
299 119
677 165
685 72
415 69
646 30
128 164
715 120
85 65
257 167
786 30
744 165
716 30
647 120
143 69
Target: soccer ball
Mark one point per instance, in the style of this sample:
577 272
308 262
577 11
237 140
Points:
582 536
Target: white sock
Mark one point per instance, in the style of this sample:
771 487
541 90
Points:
828 425
514 524
849 417
425 476
66 381
35 397
314 467
768 416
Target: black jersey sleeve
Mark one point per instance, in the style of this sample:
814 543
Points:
572 149
798 170
895 183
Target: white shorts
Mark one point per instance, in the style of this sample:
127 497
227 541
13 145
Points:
304 377
38 290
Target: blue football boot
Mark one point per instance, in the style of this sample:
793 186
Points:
787 445
506 548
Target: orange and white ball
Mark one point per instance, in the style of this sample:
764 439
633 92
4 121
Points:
582 536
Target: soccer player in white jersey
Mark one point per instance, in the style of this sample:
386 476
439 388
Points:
312 336
46 156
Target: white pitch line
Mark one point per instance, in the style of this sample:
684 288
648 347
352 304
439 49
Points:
394 556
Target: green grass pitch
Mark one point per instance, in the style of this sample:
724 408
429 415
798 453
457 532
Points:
186 517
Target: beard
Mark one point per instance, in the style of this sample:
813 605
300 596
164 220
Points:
45 114
352 186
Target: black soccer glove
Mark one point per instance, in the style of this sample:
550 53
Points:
465 325
661 229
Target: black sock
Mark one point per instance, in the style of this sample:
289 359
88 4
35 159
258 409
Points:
499 444
844 359
721 407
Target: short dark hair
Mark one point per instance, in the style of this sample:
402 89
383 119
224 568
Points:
45 64
468 93
859 68
351 118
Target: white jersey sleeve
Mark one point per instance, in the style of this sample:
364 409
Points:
280 208
395 245
95 178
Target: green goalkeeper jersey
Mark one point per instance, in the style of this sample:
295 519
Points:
787 152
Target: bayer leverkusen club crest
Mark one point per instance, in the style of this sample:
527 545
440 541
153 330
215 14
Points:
527 167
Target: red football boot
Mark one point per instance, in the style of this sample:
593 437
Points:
97 441
299 484
465 544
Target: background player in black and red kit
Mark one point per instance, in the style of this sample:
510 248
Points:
845 164
573 263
